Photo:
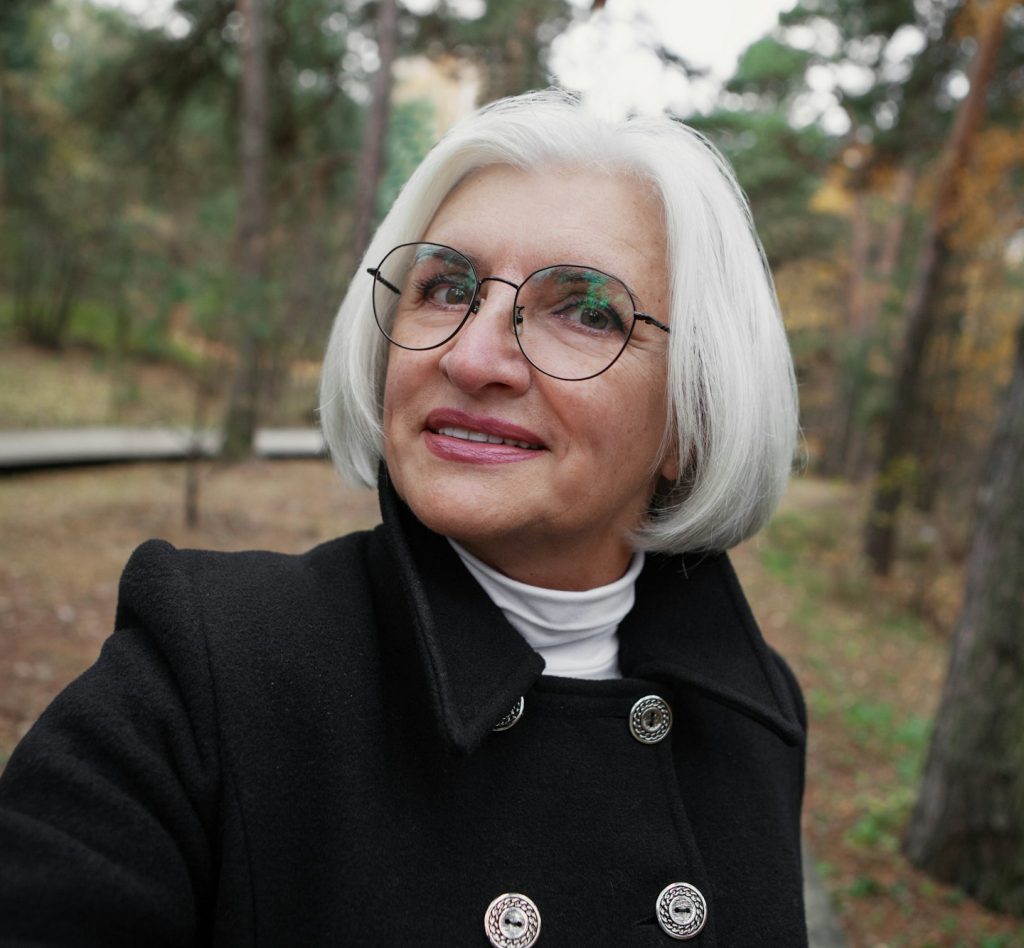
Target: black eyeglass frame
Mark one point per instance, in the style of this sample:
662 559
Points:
516 314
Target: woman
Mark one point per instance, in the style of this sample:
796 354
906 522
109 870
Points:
493 719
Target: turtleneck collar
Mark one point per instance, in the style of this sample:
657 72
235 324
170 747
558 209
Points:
574 631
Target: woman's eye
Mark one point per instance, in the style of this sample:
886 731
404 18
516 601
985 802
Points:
447 294
455 295
592 318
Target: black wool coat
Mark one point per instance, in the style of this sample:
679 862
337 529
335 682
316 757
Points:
283 751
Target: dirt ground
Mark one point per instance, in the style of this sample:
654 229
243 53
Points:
871 671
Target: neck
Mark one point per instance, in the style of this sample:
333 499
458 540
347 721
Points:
562 568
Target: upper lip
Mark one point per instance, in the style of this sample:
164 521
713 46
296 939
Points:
455 418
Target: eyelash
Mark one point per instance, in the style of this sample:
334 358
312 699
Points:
438 279
610 311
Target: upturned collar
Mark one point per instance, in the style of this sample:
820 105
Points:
691 628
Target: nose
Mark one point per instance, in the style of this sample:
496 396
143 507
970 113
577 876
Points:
485 351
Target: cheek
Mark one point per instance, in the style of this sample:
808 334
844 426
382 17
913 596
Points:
625 427
391 424
408 382
640 438
395 398
398 385
388 415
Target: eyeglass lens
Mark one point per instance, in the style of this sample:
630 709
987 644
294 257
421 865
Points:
571 322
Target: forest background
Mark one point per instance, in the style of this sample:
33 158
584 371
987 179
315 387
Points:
184 198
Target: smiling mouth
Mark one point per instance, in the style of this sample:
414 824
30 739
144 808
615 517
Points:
466 434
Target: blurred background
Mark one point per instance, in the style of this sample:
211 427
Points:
186 187
185 192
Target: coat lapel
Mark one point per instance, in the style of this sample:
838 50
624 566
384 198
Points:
477 666
691 627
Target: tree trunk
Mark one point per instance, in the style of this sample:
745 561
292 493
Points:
889 254
936 422
857 453
860 262
849 340
3 143
871 276
968 825
45 281
371 162
895 464
243 402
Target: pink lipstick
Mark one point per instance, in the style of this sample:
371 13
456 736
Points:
456 435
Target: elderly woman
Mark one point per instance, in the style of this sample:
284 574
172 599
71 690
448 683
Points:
532 706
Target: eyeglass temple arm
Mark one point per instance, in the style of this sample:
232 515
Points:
644 318
375 273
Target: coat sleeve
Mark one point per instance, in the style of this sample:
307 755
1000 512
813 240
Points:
108 806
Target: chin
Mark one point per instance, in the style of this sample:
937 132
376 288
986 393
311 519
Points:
450 505
467 527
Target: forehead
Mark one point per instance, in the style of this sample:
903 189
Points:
515 221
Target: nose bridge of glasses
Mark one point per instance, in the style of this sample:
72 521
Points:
480 297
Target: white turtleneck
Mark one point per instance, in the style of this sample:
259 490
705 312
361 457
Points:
575 632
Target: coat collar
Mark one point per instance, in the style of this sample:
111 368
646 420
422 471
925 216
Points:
691 627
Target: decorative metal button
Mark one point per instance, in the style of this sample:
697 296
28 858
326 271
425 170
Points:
681 910
513 715
650 720
512 921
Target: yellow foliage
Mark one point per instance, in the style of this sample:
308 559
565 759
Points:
985 191
832 197
878 362
970 20
810 294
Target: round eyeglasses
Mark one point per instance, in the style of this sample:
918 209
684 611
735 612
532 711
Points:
571 322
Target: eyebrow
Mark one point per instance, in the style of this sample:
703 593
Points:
474 260
611 276
443 253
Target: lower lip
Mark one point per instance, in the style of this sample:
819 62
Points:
476 452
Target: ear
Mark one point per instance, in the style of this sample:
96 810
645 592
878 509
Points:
669 469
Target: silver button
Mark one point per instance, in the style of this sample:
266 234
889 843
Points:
681 910
650 720
513 715
512 921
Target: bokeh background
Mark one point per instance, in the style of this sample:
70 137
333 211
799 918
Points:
187 185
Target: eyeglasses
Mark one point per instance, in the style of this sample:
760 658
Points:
571 322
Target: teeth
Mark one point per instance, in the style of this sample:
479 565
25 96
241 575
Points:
466 435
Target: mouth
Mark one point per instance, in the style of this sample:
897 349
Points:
481 436
466 434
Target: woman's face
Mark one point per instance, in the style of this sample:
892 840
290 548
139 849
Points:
555 513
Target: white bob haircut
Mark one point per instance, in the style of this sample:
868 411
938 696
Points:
731 389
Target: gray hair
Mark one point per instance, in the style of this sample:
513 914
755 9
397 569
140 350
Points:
731 388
